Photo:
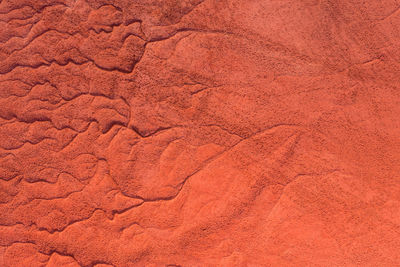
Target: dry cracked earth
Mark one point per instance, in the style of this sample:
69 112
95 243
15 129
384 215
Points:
199 133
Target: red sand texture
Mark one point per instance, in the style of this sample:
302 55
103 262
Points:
199 133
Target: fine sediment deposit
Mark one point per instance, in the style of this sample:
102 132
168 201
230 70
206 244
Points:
199 133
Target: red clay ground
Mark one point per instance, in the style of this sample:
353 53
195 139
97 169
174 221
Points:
199 133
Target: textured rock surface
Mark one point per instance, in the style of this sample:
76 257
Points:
199 133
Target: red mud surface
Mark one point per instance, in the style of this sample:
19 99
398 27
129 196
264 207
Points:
199 133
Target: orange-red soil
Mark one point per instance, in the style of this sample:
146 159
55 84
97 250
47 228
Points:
199 133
